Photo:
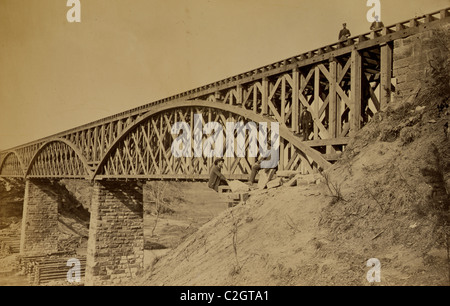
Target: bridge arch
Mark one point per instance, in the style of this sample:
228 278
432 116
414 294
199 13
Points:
130 155
12 165
58 157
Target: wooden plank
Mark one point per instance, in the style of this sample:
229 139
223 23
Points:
316 101
327 142
239 96
255 98
374 98
332 114
386 74
356 74
283 100
102 141
281 161
141 159
332 156
295 101
324 71
265 96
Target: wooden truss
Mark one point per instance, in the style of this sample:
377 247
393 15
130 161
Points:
342 85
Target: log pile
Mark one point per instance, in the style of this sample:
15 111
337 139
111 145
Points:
44 269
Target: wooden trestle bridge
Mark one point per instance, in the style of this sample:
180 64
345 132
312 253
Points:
342 85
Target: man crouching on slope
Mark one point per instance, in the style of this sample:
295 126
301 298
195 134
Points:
216 178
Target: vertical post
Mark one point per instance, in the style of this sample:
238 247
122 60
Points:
332 109
102 141
332 114
316 101
210 159
265 96
110 137
281 162
386 74
89 144
295 101
356 81
283 101
338 101
255 98
161 148
239 98
95 144
189 160
119 127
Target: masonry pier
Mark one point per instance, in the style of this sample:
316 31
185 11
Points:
116 234
40 218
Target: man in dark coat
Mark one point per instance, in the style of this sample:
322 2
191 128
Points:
306 123
376 24
344 34
216 178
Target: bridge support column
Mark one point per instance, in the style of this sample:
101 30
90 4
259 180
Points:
115 252
40 219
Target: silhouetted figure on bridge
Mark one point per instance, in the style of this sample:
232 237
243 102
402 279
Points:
376 25
344 34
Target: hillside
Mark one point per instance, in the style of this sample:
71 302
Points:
387 197
389 181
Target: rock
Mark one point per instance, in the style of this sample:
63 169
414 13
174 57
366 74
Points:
419 109
274 183
308 179
264 178
238 186
287 173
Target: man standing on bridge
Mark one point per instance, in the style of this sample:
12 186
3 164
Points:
216 178
344 34
376 25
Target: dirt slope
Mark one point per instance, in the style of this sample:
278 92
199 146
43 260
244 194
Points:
303 236
272 238
386 198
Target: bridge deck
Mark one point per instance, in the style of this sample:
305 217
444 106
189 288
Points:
342 85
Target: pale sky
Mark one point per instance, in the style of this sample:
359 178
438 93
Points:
56 75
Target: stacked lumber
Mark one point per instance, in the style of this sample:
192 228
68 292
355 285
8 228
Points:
44 269
55 270
9 242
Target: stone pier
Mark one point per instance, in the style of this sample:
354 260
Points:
414 56
115 252
40 219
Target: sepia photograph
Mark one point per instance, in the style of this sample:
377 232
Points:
223 149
